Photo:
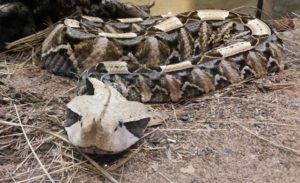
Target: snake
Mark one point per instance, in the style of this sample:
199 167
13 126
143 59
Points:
165 58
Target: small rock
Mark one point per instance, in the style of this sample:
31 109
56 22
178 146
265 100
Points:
184 116
45 147
188 170
154 167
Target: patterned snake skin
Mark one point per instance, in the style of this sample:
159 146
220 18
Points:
163 58
19 18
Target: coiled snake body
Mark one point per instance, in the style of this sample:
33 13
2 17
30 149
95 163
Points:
164 58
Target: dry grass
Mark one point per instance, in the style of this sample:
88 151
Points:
248 132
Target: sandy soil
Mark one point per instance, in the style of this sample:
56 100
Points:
244 133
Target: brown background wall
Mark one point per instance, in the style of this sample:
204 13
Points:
177 6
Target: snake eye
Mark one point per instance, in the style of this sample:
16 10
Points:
71 118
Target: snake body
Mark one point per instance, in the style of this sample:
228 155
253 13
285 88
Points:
19 18
164 58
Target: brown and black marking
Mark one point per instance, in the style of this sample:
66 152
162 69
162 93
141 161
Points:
20 18
165 59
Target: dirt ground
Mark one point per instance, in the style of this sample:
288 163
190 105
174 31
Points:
248 132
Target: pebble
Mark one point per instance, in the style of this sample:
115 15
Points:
184 116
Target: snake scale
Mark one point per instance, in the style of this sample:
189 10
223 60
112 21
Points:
164 58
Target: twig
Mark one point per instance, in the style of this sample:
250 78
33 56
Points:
64 93
31 148
174 111
122 174
292 41
154 148
36 128
104 172
7 68
262 102
146 135
124 161
73 175
268 141
188 130
296 14
21 164
55 171
165 177
12 178
246 122
29 41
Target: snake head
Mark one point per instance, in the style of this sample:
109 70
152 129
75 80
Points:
103 121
